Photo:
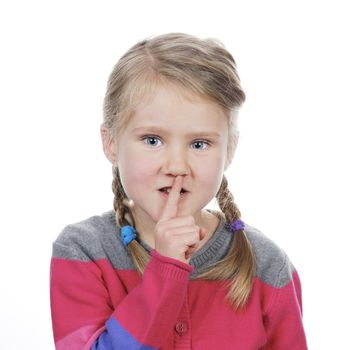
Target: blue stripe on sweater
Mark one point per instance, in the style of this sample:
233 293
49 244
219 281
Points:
116 337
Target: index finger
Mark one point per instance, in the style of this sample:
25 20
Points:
170 208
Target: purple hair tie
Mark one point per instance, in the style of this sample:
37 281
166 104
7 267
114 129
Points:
128 234
237 225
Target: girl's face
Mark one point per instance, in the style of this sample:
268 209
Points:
168 136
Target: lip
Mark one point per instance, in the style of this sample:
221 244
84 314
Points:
183 188
166 194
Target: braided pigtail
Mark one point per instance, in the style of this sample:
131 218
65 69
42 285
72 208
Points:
123 216
239 264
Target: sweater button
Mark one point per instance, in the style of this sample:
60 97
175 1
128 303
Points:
181 328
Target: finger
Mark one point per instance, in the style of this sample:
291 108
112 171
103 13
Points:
189 252
179 221
170 208
201 233
194 247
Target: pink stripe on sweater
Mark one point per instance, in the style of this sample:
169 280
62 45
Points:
81 339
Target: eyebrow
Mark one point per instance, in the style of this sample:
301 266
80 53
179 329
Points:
157 130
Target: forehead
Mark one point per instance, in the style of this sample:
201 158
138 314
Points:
176 109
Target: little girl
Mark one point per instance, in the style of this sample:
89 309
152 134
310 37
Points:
160 271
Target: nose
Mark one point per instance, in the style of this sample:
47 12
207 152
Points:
176 162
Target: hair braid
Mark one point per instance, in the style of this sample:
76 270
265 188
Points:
226 202
239 264
123 216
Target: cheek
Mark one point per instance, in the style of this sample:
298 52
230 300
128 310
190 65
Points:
136 170
211 176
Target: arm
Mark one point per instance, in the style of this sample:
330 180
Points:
83 317
284 325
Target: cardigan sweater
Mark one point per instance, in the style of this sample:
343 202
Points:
99 301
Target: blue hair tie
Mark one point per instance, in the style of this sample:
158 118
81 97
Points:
128 234
237 225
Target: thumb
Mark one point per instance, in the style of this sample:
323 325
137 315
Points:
201 233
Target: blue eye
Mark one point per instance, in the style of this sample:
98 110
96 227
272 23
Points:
152 141
200 144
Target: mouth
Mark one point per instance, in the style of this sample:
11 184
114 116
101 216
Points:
166 190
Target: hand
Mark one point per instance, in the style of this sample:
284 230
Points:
176 237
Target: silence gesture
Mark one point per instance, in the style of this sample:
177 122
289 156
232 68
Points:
176 236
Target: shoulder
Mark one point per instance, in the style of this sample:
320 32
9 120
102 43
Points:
273 266
91 239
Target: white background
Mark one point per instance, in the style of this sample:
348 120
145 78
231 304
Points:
289 177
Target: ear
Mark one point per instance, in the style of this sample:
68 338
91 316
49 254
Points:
108 144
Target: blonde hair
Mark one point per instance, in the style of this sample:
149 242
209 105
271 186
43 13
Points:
199 67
